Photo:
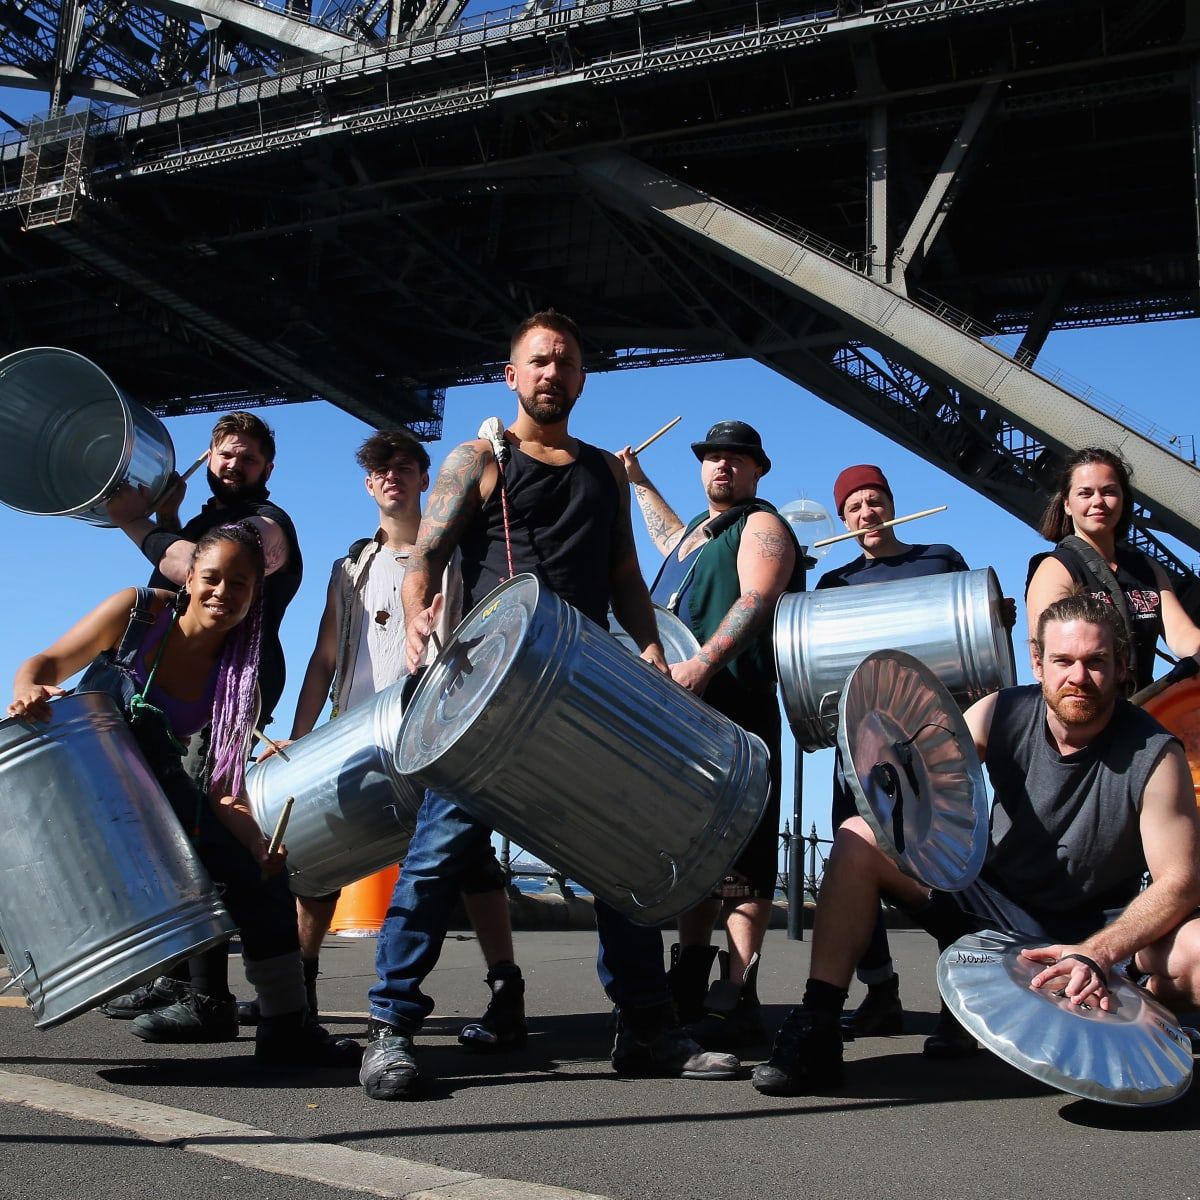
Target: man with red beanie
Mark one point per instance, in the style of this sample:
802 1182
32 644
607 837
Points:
863 498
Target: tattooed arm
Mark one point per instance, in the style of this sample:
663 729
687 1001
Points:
766 559
628 594
662 522
464 482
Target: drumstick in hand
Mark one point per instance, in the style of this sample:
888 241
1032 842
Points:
280 829
193 468
655 436
262 737
853 533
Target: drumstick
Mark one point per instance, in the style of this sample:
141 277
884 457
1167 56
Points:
258 733
193 468
853 533
280 827
655 436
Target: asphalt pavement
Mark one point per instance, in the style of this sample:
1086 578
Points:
87 1110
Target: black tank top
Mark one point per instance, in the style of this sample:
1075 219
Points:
1135 577
562 522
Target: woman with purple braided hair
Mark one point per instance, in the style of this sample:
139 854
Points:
176 664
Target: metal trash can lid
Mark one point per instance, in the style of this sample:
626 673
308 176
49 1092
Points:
911 764
1134 1055
678 642
455 691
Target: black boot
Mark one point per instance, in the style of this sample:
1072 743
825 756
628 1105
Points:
295 1040
806 1057
312 968
194 1019
879 1015
389 1071
688 980
949 1039
502 1026
732 1011
150 997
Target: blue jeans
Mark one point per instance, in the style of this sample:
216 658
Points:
447 845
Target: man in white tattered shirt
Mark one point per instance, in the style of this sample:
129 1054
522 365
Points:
359 651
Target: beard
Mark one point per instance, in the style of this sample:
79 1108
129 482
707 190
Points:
1077 706
720 493
230 491
548 408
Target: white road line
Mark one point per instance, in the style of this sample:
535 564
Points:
262 1150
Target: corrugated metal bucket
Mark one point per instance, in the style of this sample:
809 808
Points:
354 812
100 889
541 725
953 623
68 437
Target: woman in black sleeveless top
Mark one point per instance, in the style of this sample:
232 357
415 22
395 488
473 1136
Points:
1093 502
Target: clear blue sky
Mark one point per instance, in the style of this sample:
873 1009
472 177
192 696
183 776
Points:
58 567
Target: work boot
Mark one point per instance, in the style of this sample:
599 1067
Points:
732 1011
949 1039
150 996
688 980
879 1015
502 1026
807 1056
389 1071
650 1042
296 1040
192 1019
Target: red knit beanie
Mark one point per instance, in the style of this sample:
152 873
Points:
853 478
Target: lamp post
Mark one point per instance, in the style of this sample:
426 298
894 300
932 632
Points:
810 522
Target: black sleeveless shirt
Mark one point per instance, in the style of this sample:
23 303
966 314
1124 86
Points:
562 521
1135 577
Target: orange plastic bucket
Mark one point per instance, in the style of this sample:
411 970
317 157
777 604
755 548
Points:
1178 709
363 905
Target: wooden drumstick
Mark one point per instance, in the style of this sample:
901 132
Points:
853 533
655 436
258 733
193 468
280 826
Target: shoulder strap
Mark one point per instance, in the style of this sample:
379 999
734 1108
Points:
1102 573
140 620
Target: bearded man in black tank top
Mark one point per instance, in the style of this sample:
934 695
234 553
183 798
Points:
568 522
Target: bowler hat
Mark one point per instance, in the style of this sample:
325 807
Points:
736 436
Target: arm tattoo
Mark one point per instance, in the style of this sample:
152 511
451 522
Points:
771 545
453 501
737 627
662 522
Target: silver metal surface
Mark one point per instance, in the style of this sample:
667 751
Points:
678 641
911 764
1134 1055
68 437
539 724
100 889
354 811
952 623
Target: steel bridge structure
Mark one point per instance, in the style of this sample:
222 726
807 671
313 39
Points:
891 204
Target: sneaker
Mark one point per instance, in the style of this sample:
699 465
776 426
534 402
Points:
296 1040
195 1018
807 1055
389 1071
879 1015
150 996
502 1026
949 1039
662 1048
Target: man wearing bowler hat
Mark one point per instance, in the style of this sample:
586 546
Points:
723 573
